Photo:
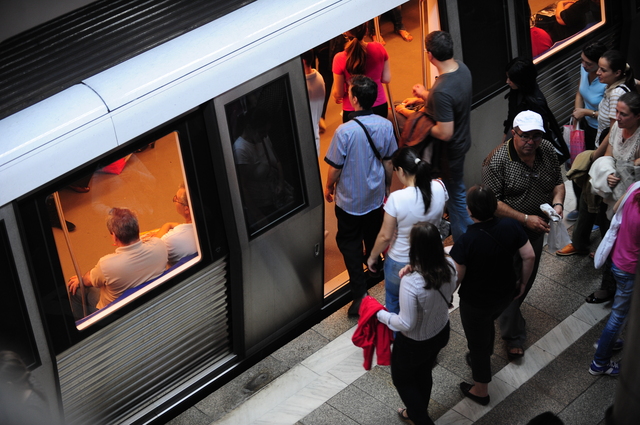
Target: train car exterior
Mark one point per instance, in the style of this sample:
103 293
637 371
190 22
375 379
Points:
255 278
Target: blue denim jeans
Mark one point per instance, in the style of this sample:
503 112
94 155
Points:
457 203
618 316
392 284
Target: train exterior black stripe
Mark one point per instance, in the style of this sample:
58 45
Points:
40 62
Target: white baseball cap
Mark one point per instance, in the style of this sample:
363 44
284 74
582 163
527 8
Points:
528 121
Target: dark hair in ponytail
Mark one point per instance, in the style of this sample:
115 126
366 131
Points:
356 51
594 51
617 62
408 159
426 256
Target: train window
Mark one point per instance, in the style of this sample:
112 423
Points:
125 229
264 142
555 25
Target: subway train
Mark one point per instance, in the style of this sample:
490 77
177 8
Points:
157 96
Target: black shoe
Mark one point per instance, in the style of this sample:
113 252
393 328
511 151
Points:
593 299
465 388
354 309
70 226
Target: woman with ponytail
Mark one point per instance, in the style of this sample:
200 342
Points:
422 200
360 58
613 71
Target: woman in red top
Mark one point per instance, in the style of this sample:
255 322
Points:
360 58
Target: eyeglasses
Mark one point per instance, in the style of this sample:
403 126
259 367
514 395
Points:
536 137
175 199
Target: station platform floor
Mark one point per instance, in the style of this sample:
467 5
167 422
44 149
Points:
318 378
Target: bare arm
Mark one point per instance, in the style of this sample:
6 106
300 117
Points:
383 240
421 91
528 259
617 205
337 90
333 175
74 282
602 149
578 102
165 229
579 110
386 73
558 198
612 180
443 130
462 270
532 222
388 174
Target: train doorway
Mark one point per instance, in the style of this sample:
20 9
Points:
405 59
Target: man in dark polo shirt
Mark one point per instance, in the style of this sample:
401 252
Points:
524 173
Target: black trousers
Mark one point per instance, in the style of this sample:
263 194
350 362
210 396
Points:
411 365
478 325
512 323
353 232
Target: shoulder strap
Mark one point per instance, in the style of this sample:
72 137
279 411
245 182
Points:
449 303
375 151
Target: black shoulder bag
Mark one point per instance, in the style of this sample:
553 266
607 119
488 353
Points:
375 151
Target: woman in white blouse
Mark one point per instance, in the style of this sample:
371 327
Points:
423 323
421 200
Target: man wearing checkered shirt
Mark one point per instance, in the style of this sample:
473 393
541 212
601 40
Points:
524 173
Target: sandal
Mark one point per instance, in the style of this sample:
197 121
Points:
513 355
403 415
405 35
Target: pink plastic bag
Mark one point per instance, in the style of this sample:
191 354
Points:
576 140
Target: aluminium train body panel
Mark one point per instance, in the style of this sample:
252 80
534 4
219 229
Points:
166 81
198 66
78 126
52 137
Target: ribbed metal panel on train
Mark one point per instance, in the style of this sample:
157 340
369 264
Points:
117 372
55 55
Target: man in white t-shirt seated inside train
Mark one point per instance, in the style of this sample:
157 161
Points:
134 262
180 238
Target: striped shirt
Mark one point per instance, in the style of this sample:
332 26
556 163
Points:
607 108
423 312
361 187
